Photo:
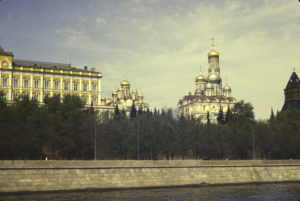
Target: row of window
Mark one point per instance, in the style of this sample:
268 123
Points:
36 96
36 84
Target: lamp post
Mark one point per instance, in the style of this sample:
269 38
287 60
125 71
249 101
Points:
138 147
253 141
95 137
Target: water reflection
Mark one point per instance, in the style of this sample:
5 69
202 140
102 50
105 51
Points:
260 192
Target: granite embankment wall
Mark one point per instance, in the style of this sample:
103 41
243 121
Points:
26 176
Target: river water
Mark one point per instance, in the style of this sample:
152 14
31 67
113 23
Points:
258 192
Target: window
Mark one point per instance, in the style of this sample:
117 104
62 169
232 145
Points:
4 80
94 100
15 81
66 85
84 100
15 95
46 84
75 86
56 84
36 83
26 82
85 84
94 87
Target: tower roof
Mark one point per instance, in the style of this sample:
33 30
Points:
213 52
294 82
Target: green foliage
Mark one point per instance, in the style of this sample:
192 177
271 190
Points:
1 49
63 129
60 130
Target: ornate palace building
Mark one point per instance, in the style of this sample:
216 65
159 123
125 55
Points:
125 99
292 93
209 97
38 79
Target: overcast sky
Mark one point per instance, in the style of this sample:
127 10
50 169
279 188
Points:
160 44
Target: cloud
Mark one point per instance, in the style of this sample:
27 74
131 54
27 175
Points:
100 21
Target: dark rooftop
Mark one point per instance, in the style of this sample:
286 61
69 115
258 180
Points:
294 82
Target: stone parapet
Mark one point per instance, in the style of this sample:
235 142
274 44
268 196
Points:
33 176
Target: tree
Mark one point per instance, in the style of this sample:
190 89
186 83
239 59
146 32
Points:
242 110
140 111
207 118
117 111
1 49
228 115
132 112
220 117
272 117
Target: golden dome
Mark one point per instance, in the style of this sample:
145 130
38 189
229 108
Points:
134 91
108 101
213 53
125 83
103 98
140 95
115 92
120 89
200 78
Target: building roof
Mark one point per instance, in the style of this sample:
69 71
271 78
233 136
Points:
291 105
6 53
294 82
48 65
203 98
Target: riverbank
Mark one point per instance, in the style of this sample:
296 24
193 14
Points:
36 176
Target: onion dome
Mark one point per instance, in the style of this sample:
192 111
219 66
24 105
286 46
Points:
114 92
227 88
108 101
125 83
140 95
103 100
209 86
213 53
120 89
213 78
200 78
134 91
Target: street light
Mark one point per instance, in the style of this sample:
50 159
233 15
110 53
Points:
95 137
138 137
253 141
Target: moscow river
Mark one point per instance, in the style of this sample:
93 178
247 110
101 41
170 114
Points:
261 192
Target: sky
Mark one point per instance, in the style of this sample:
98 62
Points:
159 45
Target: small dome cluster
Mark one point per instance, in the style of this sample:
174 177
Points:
125 99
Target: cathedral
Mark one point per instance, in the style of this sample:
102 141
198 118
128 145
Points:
125 99
292 93
209 97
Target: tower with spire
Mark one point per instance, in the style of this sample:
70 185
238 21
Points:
292 93
209 96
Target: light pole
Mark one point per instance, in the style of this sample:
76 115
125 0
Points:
138 138
253 142
95 137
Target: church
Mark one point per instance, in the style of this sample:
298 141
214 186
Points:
124 98
210 97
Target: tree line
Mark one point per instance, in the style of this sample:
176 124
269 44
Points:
64 129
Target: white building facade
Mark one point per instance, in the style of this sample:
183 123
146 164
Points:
209 97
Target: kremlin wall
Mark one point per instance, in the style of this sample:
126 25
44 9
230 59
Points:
33 176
